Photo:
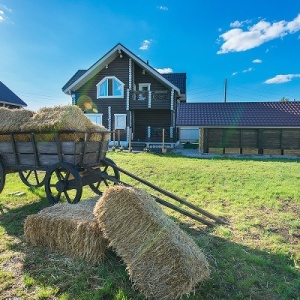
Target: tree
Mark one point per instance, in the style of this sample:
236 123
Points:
284 99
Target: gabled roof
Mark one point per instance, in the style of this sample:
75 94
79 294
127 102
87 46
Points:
178 79
239 114
9 97
81 76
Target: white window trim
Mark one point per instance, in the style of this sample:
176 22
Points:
91 116
141 86
122 121
105 78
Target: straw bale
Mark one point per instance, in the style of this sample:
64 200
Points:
69 229
163 261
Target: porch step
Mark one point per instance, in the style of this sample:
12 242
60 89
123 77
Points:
138 146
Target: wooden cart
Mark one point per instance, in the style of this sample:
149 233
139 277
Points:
63 162
66 161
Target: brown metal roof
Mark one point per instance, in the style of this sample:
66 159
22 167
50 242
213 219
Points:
239 114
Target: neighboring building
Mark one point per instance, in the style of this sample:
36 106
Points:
124 93
9 99
242 127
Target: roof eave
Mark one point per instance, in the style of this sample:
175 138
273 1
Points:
13 103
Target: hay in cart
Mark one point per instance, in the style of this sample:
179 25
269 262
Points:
49 120
68 229
12 120
64 118
163 261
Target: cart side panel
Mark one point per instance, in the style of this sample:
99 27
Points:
49 153
6 147
21 151
8 158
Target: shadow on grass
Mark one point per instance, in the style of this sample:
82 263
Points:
12 219
262 158
195 154
237 271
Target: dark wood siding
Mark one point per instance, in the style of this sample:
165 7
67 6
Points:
157 119
140 77
88 92
158 116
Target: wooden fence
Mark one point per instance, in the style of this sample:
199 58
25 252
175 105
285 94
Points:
250 141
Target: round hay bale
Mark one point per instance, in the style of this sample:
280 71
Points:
69 229
163 261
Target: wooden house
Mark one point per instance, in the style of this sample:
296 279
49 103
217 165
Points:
9 99
271 128
128 96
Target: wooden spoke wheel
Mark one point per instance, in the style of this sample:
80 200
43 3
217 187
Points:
63 183
107 172
2 176
33 178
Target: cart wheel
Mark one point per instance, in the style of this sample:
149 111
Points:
2 176
63 183
33 178
103 183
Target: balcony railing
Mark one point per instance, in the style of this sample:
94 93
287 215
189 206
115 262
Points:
154 134
160 95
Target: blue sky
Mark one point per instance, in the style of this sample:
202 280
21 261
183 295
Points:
255 45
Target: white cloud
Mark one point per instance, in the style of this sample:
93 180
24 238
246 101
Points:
145 45
162 7
248 70
237 40
4 7
164 70
1 16
281 78
237 23
3 10
257 61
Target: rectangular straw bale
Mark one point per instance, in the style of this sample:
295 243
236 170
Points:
70 229
163 261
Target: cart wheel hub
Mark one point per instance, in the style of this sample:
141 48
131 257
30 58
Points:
61 186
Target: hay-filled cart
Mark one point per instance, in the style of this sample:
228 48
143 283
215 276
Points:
61 149
63 161
66 161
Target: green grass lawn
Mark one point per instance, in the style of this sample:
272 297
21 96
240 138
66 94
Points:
255 256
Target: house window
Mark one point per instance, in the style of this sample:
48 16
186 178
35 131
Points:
110 87
120 121
95 118
144 88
